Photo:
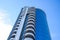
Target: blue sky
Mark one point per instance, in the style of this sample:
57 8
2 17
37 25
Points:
9 10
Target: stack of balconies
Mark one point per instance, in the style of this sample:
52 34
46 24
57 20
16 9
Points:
30 27
15 29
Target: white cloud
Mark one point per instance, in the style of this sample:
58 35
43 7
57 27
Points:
5 26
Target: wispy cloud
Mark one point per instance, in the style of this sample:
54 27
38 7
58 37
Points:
5 26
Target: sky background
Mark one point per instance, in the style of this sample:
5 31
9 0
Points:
10 9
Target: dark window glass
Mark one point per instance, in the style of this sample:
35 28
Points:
16 28
30 24
31 20
29 36
17 25
19 20
13 36
30 27
15 32
30 31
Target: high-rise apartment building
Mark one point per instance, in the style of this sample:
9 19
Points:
31 24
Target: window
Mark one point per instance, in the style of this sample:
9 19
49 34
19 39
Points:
19 20
13 36
14 32
17 25
16 28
